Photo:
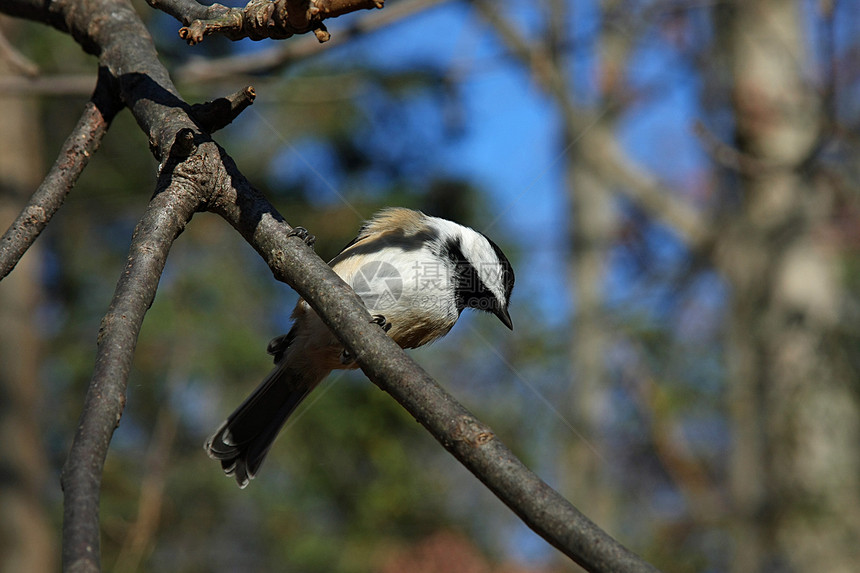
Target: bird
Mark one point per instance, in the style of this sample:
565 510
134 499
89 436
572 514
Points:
415 274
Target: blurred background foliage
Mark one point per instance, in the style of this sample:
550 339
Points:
684 371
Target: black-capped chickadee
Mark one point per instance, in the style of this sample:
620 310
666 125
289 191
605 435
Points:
414 273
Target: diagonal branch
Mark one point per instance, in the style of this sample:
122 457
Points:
164 219
601 149
81 144
646 191
387 365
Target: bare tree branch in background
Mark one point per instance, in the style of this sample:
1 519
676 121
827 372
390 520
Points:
282 55
141 537
196 174
596 140
54 84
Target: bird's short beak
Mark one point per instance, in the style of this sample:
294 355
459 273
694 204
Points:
505 317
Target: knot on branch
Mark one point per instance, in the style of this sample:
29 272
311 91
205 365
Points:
275 19
473 432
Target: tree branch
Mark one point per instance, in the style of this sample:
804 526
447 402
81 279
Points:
259 19
18 61
129 63
185 175
81 144
608 159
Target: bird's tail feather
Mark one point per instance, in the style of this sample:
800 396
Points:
244 439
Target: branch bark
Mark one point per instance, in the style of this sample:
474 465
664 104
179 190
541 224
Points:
259 19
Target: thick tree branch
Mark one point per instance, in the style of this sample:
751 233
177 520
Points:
128 57
186 178
81 144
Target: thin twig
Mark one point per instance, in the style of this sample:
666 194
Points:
141 535
49 85
19 62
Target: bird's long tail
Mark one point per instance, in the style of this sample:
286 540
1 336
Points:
244 439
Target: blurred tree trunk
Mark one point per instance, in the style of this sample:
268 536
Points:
591 232
27 541
795 475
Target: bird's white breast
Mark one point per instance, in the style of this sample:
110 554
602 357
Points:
412 289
